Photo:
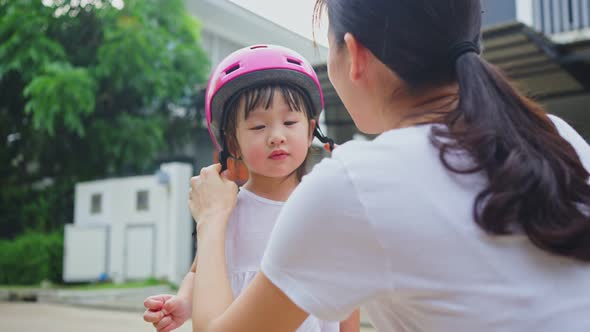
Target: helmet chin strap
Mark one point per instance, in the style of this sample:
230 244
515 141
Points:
317 132
223 154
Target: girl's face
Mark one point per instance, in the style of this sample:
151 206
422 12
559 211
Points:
273 142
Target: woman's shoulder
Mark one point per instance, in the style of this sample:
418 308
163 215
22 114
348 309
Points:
403 139
392 152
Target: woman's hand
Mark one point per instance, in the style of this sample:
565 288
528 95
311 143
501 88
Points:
212 197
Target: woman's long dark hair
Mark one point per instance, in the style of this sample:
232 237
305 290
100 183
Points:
536 181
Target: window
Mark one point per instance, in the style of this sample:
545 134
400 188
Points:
95 204
142 200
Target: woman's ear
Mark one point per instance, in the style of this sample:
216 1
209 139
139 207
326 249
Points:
358 55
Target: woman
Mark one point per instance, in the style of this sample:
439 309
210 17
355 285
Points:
468 213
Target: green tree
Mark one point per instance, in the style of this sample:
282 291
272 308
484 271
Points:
89 89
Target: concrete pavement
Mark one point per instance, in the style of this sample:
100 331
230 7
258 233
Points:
35 317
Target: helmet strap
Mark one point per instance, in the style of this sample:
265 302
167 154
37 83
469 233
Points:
224 153
317 132
223 156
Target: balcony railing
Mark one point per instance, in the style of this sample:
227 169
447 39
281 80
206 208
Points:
560 16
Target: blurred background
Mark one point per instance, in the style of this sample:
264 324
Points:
102 123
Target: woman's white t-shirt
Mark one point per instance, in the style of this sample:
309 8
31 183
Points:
248 231
385 225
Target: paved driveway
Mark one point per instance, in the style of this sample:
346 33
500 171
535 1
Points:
35 317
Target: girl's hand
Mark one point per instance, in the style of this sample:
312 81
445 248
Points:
167 312
212 196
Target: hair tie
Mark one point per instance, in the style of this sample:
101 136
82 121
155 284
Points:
461 48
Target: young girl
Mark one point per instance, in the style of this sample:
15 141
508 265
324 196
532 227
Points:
262 106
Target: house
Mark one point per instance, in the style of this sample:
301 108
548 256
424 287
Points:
545 46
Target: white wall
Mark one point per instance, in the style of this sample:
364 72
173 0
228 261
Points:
124 213
166 212
85 252
217 47
524 12
82 202
180 225
236 26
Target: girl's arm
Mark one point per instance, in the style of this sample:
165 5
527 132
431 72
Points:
352 323
167 312
186 286
262 306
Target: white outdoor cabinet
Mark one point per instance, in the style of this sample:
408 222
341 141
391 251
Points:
85 253
139 252
131 228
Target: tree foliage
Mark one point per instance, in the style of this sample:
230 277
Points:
88 89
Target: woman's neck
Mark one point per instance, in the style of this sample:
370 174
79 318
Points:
276 189
409 110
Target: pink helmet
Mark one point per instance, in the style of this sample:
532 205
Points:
250 66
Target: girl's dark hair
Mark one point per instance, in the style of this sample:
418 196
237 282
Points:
536 181
262 96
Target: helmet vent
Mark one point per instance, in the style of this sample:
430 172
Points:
294 61
232 69
258 46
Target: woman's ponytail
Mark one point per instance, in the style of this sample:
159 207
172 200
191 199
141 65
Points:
537 182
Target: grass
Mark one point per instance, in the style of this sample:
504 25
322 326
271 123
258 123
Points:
96 286
110 285
16 287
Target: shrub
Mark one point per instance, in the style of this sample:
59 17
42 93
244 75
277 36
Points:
31 258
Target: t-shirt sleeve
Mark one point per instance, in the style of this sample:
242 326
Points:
323 252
